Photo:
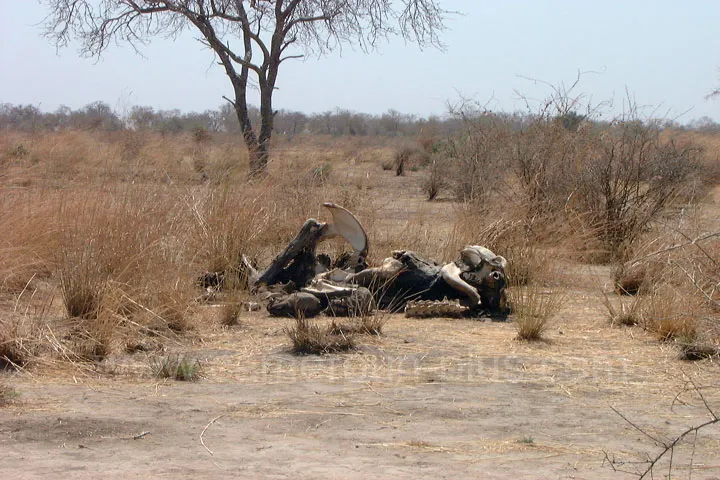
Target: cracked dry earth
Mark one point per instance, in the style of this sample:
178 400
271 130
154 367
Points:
434 398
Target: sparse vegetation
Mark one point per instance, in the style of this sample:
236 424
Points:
669 317
230 314
310 338
19 341
7 395
529 440
176 367
435 182
82 285
371 324
121 222
136 217
625 313
402 157
533 307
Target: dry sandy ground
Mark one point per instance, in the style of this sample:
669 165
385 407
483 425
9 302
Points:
434 398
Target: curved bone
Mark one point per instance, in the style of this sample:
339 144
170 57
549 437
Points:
389 269
321 286
451 274
475 255
346 225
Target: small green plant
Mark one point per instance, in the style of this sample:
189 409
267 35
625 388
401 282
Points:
7 395
19 151
321 173
529 440
176 367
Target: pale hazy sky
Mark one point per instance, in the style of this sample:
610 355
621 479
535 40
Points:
667 53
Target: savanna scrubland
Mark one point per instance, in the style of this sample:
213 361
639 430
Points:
611 230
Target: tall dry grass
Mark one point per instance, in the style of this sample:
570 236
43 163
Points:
112 229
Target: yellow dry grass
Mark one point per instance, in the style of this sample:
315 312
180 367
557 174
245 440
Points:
138 216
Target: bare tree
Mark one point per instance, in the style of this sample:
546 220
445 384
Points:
251 38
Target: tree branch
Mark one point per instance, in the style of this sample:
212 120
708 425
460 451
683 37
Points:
668 447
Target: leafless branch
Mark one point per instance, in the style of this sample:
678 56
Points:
693 241
668 447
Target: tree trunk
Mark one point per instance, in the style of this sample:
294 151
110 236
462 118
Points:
259 161
259 156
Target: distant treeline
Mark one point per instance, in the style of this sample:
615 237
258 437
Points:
100 116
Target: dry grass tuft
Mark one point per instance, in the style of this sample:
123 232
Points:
669 316
82 286
533 308
90 340
230 314
402 157
313 339
361 325
19 340
435 181
176 367
693 349
12 353
627 313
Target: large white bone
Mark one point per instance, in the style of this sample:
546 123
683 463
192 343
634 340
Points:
475 255
345 224
451 274
321 286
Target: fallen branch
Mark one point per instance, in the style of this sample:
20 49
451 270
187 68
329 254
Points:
202 442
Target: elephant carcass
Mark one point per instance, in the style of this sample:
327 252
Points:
476 278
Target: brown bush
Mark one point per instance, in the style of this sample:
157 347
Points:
631 177
436 180
669 316
402 158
